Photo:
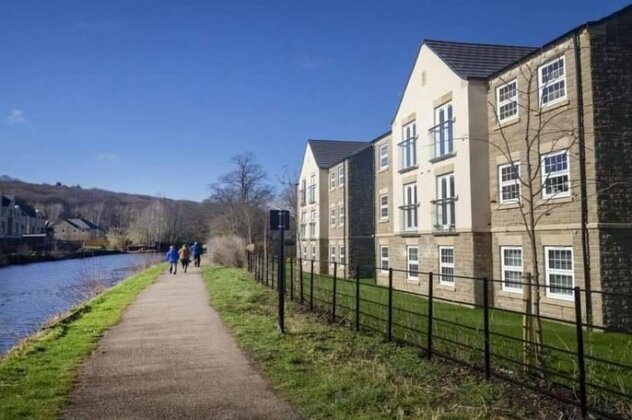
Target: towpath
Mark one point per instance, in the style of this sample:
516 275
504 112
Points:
171 357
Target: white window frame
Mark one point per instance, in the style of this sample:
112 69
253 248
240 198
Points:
332 257
409 262
408 146
410 192
448 141
341 175
509 183
507 101
546 176
383 259
552 271
342 256
341 215
443 265
332 180
504 268
445 206
312 224
383 156
313 252
559 79
383 207
332 216
312 189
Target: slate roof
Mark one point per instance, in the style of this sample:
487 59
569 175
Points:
476 61
329 152
26 209
82 224
6 201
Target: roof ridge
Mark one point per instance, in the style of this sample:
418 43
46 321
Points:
483 44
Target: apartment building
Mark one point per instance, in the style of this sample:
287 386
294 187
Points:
561 150
440 169
317 192
383 204
18 219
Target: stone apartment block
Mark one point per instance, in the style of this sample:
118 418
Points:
439 170
334 223
571 100
18 219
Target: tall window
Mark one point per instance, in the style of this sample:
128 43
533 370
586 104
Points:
507 101
446 265
312 189
412 262
442 132
511 268
313 252
509 182
408 146
552 81
341 175
332 217
343 257
384 259
303 191
332 180
556 175
333 255
312 224
303 223
384 207
409 209
341 215
444 205
560 278
383 156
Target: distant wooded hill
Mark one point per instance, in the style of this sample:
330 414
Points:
133 217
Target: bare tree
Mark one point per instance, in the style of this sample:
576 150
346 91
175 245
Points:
244 193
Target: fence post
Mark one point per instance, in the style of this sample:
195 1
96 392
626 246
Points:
488 371
267 258
333 298
357 299
300 263
581 363
311 288
390 304
430 312
291 278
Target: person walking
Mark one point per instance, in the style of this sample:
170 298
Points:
196 250
172 259
185 254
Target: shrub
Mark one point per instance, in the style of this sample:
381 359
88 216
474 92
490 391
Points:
228 251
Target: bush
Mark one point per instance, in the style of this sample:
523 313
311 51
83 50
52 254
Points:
228 251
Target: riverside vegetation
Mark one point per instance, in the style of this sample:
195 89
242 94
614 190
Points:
36 376
328 371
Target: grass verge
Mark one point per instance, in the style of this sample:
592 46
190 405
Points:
36 377
327 371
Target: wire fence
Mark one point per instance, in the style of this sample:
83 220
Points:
576 361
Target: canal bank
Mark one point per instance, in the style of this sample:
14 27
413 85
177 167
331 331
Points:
19 259
37 375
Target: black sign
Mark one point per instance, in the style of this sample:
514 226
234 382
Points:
279 219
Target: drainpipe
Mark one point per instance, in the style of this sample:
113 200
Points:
345 166
582 176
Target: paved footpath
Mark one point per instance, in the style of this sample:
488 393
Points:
171 357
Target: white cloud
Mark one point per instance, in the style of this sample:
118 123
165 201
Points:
16 117
108 158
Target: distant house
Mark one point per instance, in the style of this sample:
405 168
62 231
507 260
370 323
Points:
18 219
77 230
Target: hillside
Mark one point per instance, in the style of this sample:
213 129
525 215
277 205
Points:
118 213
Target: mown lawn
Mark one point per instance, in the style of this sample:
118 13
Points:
604 351
37 376
328 371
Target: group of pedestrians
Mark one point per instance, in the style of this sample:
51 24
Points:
184 256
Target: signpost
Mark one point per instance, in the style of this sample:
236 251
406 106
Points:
280 220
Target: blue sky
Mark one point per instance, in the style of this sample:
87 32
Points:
154 97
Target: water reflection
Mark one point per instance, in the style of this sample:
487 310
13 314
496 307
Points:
33 293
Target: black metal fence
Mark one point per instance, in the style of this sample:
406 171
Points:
576 361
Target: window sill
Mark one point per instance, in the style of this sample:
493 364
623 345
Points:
383 221
410 234
563 300
442 157
410 168
383 169
445 286
412 281
509 205
553 106
510 293
506 123
557 200
445 232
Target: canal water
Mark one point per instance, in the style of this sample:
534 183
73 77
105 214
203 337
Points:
33 293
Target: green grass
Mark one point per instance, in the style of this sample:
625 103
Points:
36 377
328 371
410 325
